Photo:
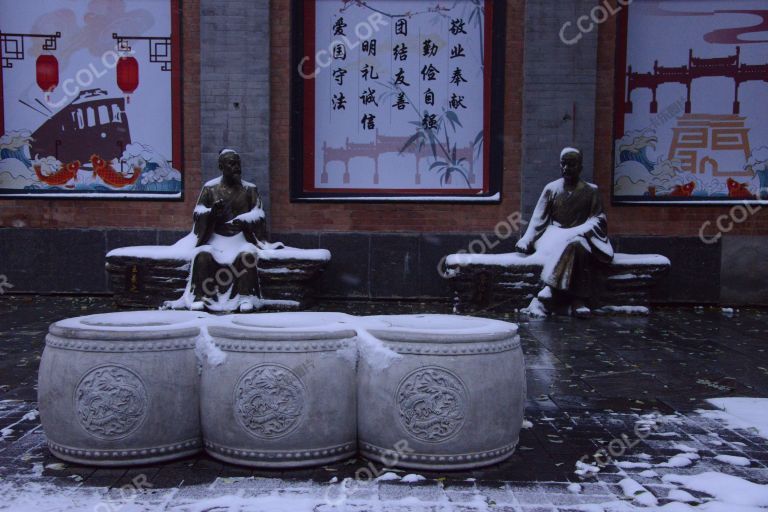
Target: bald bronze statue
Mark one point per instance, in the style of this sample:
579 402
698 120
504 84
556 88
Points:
570 230
229 224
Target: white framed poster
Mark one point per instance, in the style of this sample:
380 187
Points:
691 121
397 100
90 99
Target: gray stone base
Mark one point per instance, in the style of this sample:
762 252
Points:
282 458
111 458
432 462
148 283
385 266
484 286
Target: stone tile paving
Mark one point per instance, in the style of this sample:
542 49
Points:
625 385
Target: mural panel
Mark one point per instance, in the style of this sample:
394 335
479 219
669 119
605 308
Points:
90 104
397 99
692 102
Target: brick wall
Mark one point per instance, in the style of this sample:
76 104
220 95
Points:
234 87
383 250
394 217
132 214
643 220
559 94
289 217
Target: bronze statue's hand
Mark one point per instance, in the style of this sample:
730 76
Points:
524 247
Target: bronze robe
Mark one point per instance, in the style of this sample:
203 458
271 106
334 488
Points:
574 271
211 279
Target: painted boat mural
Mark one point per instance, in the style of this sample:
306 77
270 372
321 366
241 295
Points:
87 112
92 123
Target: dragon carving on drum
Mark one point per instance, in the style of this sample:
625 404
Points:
111 402
269 401
432 402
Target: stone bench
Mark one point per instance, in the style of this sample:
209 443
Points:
282 390
147 276
512 280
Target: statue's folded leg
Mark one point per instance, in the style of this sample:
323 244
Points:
211 279
247 283
203 280
573 271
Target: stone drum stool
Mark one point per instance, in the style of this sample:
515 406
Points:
448 395
121 389
280 392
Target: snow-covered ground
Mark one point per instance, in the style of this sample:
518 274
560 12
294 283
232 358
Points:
700 462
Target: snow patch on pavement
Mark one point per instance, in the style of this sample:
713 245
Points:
740 412
727 488
638 493
733 460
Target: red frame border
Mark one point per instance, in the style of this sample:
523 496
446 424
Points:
620 71
308 135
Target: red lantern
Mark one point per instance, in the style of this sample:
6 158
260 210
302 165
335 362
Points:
127 75
47 68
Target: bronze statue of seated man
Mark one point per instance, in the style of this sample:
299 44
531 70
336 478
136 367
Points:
230 225
569 232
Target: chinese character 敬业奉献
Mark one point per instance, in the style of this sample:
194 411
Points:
457 26
457 51
457 77
457 101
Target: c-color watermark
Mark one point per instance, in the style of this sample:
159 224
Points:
126 492
619 446
85 77
725 223
338 494
587 23
226 276
340 43
503 230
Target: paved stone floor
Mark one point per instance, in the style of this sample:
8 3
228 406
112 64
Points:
630 383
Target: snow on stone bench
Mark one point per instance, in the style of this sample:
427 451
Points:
511 280
149 275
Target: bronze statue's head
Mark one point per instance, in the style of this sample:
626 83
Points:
571 165
229 165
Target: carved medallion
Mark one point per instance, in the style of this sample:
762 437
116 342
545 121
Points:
111 402
269 401
433 403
